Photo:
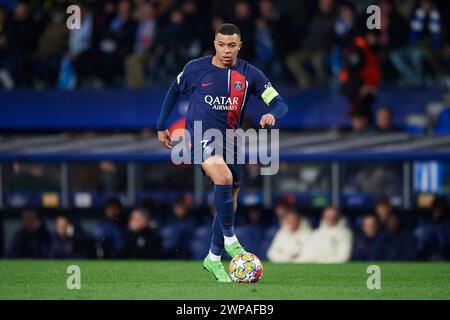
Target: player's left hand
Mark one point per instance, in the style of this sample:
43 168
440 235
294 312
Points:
267 121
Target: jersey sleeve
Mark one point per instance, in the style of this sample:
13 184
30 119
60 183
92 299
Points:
262 87
185 78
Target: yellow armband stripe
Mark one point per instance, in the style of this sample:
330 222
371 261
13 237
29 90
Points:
269 94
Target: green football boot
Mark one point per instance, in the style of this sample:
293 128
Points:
217 269
234 249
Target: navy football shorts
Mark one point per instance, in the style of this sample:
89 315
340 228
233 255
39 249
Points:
237 170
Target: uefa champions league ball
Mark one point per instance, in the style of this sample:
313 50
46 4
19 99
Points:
246 267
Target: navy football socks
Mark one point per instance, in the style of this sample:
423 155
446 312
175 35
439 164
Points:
223 223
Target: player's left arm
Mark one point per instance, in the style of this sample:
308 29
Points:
278 109
264 89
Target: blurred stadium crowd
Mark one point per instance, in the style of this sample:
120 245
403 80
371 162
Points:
283 234
138 43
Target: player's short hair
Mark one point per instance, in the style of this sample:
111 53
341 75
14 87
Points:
228 29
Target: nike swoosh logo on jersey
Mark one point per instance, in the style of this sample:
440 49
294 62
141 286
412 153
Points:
206 84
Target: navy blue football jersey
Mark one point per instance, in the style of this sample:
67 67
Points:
219 95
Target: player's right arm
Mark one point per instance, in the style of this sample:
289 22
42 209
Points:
169 103
180 85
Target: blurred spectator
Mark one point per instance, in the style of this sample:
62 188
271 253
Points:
108 234
400 242
345 25
177 231
383 211
424 34
81 51
145 37
430 33
331 242
280 209
315 46
150 206
224 8
6 80
360 123
208 45
22 36
290 240
439 60
112 178
384 121
185 29
271 36
106 15
69 241
405 8
298 13
52 45
244 20
196 22
393 33
345 28
116 43
141 242
370 243
433 232
175 46
360 75
32 240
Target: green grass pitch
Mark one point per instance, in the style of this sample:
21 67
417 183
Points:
31 279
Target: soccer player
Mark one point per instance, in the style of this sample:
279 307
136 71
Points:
219 87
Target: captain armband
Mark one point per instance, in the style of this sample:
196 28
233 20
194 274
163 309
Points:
268 94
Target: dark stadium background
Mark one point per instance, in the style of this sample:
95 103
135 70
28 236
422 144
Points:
77 119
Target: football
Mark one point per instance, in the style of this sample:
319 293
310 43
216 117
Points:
246 267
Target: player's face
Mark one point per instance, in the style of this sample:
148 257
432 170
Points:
227 48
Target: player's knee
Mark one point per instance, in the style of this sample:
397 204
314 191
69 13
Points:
225 179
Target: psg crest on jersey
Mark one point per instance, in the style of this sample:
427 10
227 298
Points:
238 85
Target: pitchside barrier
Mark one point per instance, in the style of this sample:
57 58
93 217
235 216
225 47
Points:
349 168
